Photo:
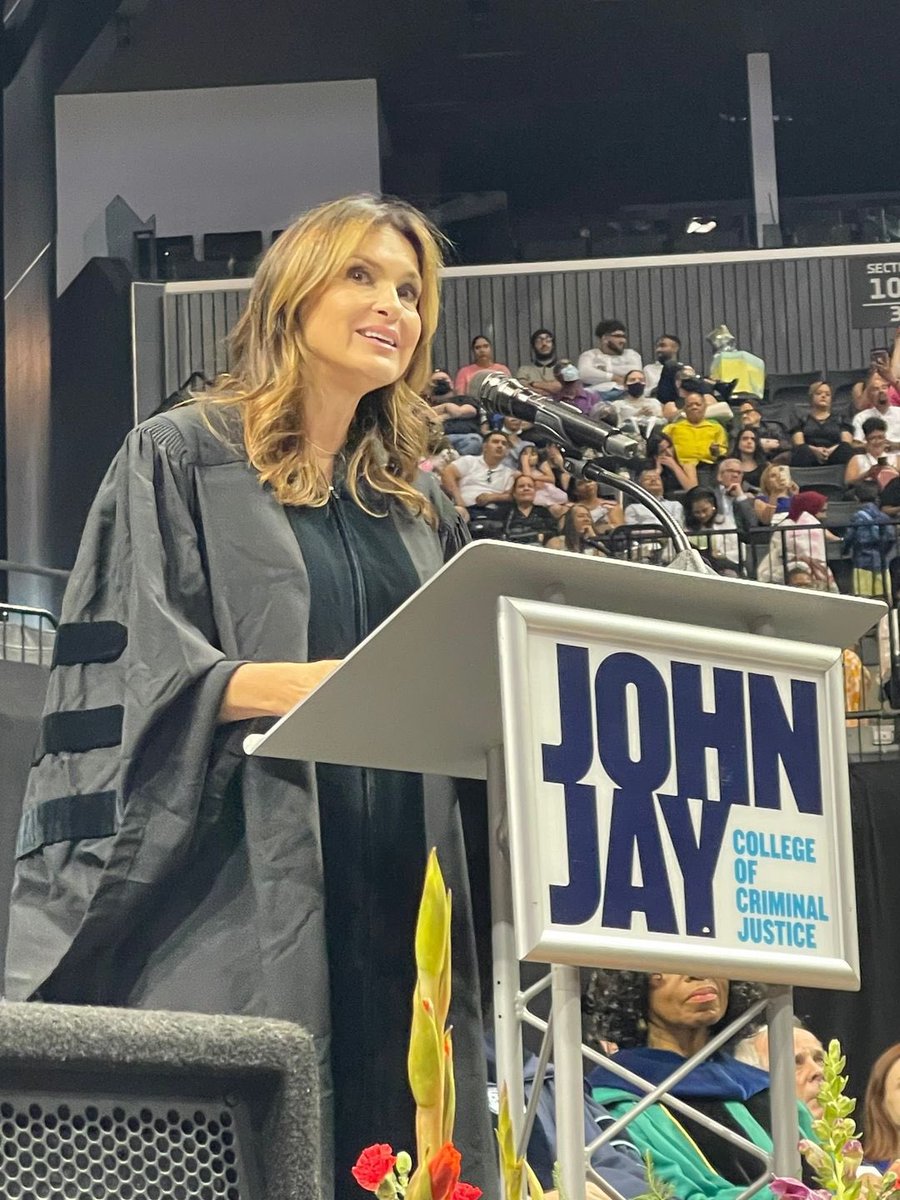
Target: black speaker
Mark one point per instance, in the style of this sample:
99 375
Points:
99 1102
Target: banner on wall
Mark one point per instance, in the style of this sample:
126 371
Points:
678 798
874 291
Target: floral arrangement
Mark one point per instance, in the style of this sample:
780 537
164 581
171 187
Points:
836 1157
430 1069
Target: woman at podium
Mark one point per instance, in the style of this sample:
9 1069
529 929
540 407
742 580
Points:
239 547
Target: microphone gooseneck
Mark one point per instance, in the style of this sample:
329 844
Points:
502 394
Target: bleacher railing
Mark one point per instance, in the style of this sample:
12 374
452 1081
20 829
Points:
871 666
27 634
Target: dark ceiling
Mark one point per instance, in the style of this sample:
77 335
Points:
560 102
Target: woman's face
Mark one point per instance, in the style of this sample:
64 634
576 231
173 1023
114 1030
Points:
703 509
779 481
876 443
686 1001
523 490
482 351
892 1094
747 442
362 330
581 520
822 395
528 457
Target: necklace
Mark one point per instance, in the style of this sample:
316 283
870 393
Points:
322 450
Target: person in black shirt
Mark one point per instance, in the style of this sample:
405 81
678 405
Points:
820 439
526 522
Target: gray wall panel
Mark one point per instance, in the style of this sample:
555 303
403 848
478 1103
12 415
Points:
793 311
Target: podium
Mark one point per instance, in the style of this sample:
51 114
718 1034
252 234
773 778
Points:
627 718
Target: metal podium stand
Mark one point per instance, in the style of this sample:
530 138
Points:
476 612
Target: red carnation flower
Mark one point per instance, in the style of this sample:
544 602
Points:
373 1165
444 1172
466 1191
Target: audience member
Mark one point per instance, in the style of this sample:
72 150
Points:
457 415
637 412
809 1053
605 368
552 455
695 437
819 437
578 533
482 360
870 542
887 363
798 575
539 374
481 482
605 510
658 1021
876 401
745 371
735 505
525 521
572 391
636 513
617 1162
772 436
875 462
747 449
547 494
881 1113
515 428
713 535
676 477
776 487
805 539
666 361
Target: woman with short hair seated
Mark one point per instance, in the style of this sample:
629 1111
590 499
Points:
658 1021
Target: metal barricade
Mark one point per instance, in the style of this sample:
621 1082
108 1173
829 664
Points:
27 634
779 555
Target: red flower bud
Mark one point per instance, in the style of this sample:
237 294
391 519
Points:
466 1191
373 1165
444 1171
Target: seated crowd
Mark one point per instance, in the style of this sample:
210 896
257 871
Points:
744 482
649 1024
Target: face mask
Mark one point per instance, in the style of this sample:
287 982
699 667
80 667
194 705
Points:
635 389
663 358
442 387
569 374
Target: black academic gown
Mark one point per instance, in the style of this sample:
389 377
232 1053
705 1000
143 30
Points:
157 866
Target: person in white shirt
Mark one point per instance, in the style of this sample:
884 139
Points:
666 352
879 405
649 547
637 411
604 369
639 514
481 480
875 461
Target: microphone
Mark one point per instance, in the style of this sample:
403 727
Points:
499 393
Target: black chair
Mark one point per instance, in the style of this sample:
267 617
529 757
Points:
795 385
827 480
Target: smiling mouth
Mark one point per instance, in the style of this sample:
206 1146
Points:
379 338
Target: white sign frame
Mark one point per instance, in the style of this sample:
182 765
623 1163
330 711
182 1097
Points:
521 625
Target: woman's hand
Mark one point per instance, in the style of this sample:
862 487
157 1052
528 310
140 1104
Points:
271 689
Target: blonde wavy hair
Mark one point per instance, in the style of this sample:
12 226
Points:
389 432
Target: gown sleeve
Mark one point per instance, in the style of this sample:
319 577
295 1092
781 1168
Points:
129 735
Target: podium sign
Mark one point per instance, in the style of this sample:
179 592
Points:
677 795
